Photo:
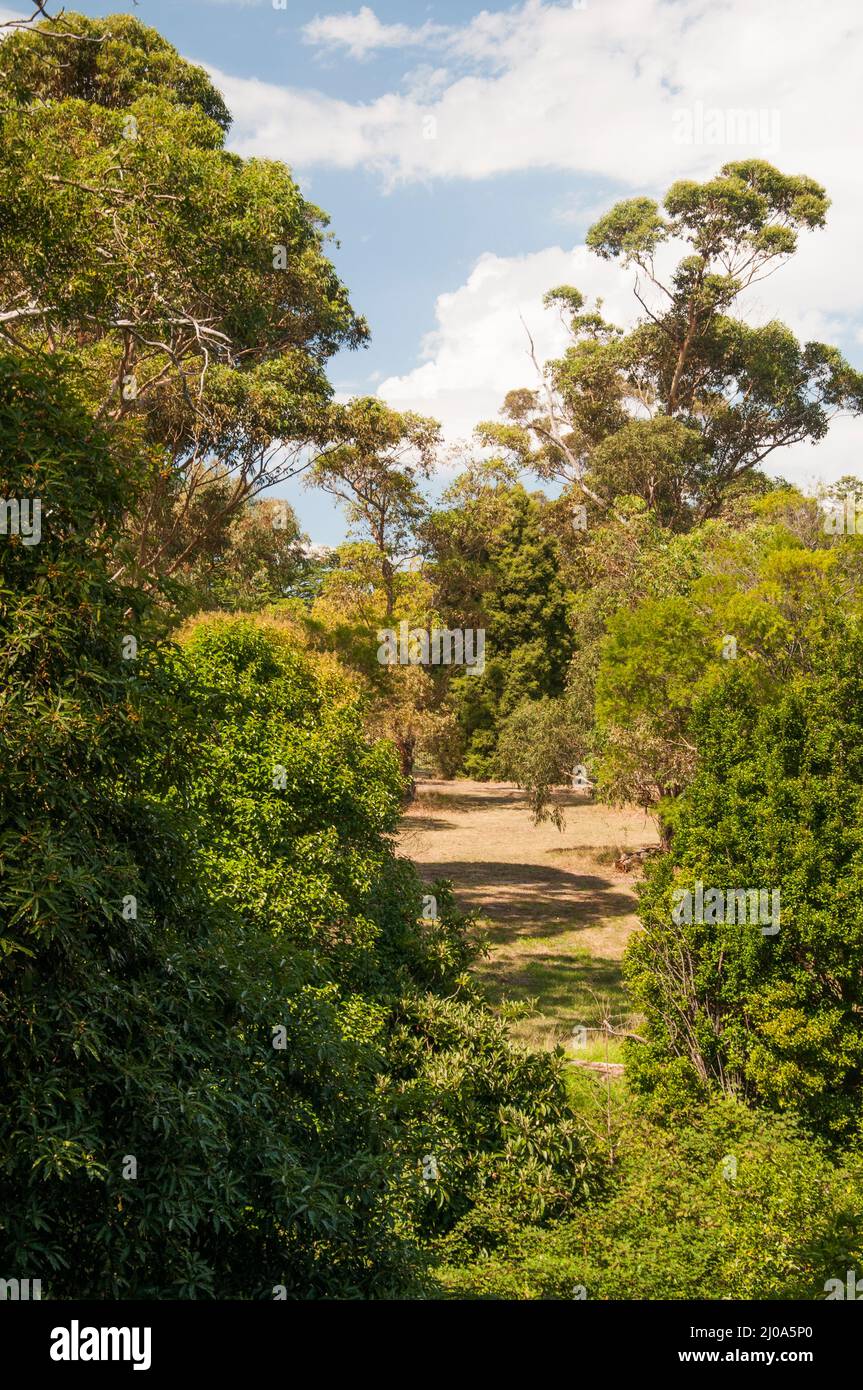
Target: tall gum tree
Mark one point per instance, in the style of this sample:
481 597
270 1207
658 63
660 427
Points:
376 476
686 406
192 287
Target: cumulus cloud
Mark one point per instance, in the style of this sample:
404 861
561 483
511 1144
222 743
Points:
479 349
636 93
363 33
483 40
639 93
598 90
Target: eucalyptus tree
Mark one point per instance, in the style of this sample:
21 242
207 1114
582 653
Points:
376 473
684 408
191 288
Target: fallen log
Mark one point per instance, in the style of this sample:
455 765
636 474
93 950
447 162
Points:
634 858
607 1068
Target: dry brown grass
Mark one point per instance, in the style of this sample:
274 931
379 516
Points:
557 912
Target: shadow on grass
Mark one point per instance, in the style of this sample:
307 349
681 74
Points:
485 796
576 987
531 899
425 822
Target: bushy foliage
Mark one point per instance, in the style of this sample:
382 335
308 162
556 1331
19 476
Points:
734 1205
775 804
507 1148
609 567
253 557
305 860
138 1005
226 1046
505 579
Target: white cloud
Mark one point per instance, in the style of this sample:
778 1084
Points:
363 33
590 91
839 453
599 93
483 40
479 349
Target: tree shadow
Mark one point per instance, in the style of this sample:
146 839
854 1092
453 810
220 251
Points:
485 796
531 899
429 822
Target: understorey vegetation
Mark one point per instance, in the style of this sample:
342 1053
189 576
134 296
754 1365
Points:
243 1047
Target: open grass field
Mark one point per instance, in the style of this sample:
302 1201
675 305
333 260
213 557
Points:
556 910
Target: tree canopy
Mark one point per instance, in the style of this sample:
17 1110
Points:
193 286
682 409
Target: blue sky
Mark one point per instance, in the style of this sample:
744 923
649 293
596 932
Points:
463 150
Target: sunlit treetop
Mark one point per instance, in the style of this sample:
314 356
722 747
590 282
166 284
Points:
192 288
693 399
107 62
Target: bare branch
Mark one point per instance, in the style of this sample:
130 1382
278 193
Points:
41 13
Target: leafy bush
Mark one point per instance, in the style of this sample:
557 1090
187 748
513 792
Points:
483 1128
495 1118
137 1003
737 1205
223 1051
775 804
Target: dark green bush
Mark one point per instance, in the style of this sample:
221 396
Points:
137 993
776 803
737 1205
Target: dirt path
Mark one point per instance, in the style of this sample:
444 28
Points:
557 911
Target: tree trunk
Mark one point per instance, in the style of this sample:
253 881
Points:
406 747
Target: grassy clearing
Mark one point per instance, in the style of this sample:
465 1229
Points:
563 989
555 910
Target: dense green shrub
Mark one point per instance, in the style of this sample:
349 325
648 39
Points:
496 1118
737 1205
230 1039
483 1128
776 803
137 1003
